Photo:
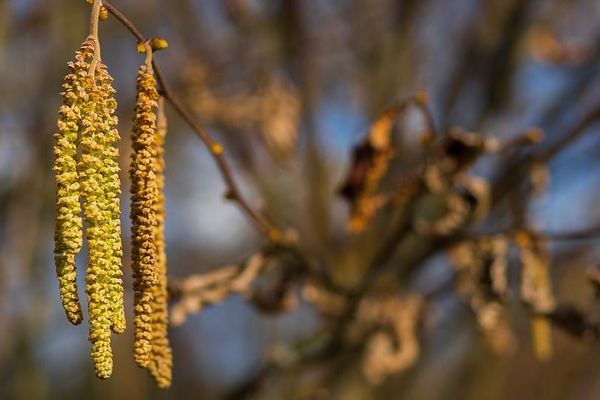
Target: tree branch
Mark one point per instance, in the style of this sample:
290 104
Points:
215 148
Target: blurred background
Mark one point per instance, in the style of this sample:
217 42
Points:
290 87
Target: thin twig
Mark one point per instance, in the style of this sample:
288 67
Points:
575 133
519 165
589 233
94 36
215 148
582 234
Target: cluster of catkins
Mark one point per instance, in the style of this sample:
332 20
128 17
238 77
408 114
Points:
88 189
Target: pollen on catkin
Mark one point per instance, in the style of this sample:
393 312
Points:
161 362
99 181
68 232
144 193
112 190
97 277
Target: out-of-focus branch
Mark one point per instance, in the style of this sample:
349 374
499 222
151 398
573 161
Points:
592 232
517 166
575 133
573 321
215 148
198 291
490 62
265 280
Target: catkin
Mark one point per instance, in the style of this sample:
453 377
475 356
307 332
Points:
88 190
144 192
112 186
68 232
162 357
99 180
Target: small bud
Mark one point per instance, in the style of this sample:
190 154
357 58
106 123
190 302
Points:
158 44
426 139
229 194
492 145
275 235
523 239
216 148
421 98
535 135
103 13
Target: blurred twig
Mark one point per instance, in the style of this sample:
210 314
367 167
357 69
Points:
216 150
592 232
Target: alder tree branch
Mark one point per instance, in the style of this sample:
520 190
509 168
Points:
582 234
587 233
233 192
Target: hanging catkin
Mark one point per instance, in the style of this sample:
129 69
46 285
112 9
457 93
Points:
87 175
112 190
99 180
162 357
68 232
97 277
144 193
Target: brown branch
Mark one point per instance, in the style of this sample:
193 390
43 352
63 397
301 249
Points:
582 234
575 133
215 148
573 321
517 166
592 232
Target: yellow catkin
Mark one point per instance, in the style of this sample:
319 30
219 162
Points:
162 356
68 233
112 190
144 192
99 181
97 271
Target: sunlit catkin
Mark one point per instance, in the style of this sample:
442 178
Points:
88 190
144 193
98 171
112 190
162 357
68 233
